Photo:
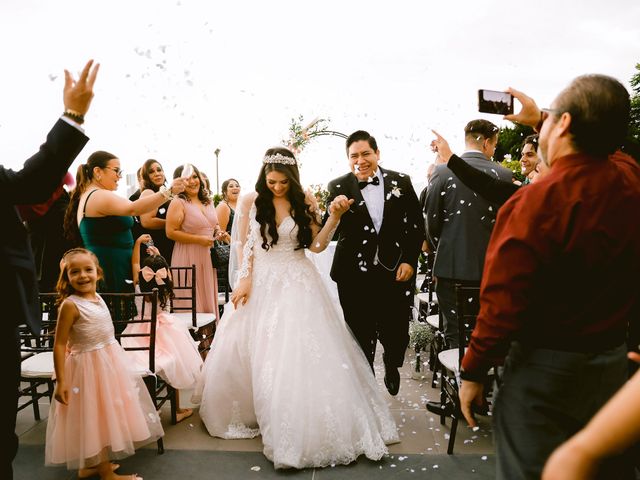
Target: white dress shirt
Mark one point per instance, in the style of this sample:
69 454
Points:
374 200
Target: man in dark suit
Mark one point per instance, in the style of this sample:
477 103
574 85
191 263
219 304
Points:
379 241
35 183
459 222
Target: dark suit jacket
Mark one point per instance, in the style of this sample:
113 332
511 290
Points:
458 221
35 183
400 236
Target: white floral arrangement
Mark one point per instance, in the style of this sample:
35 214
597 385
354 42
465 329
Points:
420 335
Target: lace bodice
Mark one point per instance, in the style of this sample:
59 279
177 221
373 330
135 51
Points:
282 260
94 328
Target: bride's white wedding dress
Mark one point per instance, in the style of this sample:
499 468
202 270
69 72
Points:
286 366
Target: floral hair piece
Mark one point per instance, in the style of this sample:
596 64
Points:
279 158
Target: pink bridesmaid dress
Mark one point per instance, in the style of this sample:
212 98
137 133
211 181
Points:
198 222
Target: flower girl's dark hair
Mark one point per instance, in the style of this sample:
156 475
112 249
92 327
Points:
165 291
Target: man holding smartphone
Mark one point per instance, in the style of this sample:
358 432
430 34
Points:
561 281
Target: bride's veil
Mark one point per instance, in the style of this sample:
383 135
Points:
239 235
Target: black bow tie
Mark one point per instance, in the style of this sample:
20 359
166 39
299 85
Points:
369 181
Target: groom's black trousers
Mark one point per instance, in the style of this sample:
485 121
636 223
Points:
377 308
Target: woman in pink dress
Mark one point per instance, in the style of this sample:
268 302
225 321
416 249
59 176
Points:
193 224
102 410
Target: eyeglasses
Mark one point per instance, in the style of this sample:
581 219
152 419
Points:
117 170
548 111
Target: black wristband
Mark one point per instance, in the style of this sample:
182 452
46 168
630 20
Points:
75 116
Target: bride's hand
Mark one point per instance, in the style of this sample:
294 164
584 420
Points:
340 205
240 294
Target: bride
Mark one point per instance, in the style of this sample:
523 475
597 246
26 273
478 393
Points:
284 364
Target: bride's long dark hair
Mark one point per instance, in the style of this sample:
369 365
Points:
266 212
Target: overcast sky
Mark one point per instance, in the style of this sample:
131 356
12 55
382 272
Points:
182 78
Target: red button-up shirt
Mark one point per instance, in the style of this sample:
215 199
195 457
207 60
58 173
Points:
562 269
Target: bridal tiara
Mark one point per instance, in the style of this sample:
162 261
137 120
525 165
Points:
279 158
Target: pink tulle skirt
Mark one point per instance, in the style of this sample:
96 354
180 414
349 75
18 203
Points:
109 414
177 359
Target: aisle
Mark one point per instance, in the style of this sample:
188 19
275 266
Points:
192 453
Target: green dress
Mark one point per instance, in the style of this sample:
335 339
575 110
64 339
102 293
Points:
111 240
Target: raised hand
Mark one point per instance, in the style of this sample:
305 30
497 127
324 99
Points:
178 185
441 147
77 94
529 114
340 205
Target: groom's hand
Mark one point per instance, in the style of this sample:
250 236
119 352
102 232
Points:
404 273
340 205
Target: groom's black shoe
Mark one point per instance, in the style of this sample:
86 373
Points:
392 379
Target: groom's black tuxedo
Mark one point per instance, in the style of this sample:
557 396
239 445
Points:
365 263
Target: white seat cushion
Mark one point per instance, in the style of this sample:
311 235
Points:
222 298
449 359
424 297
38 366
202 319
434 321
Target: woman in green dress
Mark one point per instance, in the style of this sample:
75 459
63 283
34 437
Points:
101 220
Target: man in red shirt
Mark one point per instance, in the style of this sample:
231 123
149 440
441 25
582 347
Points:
560 280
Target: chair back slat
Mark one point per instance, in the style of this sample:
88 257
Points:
184 289
467 308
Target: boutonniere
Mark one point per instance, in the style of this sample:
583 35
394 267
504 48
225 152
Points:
396 192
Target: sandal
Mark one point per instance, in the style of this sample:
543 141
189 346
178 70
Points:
184 414
85 476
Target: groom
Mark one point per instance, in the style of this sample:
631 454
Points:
379 240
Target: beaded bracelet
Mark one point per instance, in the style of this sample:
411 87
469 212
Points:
73 115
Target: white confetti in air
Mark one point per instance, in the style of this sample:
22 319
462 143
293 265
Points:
458 212
462 202
490 208
255 469
476 428
470 299
407 293
364 241
366 228
401 458
317 244
393 465
435 466
484 457
441 194
76 390
337 186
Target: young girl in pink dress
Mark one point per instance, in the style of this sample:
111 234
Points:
101 412
177 359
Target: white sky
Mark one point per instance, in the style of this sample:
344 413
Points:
181 78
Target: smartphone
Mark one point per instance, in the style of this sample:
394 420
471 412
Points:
491 101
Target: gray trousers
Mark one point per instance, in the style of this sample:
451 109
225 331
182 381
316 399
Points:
547 396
